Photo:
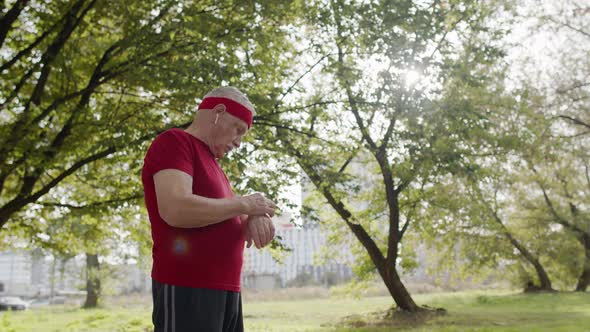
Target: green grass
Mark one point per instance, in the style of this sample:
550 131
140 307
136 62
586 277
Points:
473 311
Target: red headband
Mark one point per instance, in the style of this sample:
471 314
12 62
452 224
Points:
231 106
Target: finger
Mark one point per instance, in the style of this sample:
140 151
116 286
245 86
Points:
252 231
246 228
272 228
269 211
256 235
266 231
247 236
269 207
270 203
262 210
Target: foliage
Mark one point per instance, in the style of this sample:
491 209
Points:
87 84
111 76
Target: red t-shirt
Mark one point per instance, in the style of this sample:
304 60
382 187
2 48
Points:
207 257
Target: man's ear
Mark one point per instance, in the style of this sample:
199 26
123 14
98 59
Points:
219 108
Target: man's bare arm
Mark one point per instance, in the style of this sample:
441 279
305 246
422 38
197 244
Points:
179 207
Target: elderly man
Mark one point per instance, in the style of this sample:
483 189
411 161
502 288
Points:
199 226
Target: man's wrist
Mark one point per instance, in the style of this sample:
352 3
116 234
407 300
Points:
241 205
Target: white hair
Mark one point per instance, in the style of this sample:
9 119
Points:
234 94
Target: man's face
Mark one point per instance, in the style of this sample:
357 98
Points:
227 134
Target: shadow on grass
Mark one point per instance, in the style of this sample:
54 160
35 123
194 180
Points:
520 312
392 318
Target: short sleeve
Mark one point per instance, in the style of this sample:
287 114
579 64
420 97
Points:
170 150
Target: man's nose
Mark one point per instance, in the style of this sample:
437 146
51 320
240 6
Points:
237 142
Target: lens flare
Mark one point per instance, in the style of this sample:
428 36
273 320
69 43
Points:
180 246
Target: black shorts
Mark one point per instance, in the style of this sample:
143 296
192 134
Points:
184 309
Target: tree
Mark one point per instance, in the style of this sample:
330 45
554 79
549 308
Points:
562 190
364 103
533 186
88 80
559 164
476 212
87 84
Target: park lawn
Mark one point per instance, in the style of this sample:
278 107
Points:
466 311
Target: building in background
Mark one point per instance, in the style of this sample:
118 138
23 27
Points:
299 266
30 274
15 273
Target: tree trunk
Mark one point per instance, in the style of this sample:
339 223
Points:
584 279
92 281
396 288
52 279
545 282
543 277
386 270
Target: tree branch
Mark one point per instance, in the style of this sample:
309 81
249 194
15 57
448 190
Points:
4 173
28 48
93 84
444 36
47 58
282 126
71 23
575 121
93 204
357 229
573 87
348 160
559 219
17 88
9 18
387 135
569 26
284 94
8 209
17 203
380 155
404 228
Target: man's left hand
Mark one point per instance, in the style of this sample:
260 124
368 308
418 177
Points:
259 230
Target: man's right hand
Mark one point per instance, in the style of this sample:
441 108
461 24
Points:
257 204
